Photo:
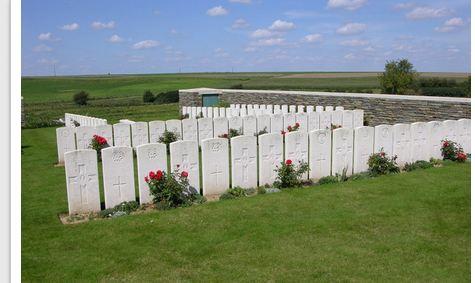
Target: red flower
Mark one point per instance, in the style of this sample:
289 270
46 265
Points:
297 125
282 132
184 174
146 179
289 128
382 154
446 144
159 175
151 174
288 162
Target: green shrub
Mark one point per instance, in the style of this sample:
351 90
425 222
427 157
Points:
148 97
289 175
444 91
167 97
237 86
170 190
261 190
121 209
452 151
380 164
81 98
223 103
328 180
419 164
437 82
234 193
168 137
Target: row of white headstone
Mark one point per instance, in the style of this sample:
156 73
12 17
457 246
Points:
129 133
253 110
252 160
70 119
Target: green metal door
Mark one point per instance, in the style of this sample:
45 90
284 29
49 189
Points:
210 100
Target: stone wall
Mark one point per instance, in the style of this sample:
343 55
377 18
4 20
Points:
379 108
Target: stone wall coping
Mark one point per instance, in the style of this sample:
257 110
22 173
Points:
201 91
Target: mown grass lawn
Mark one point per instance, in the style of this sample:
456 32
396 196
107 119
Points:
407 227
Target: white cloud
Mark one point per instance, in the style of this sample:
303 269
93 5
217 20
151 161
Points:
115 39
450 25
369 49
312 37
42 48
421 13
241 1
45 61
354 42
346 4
350 56
270 42
70 27
261 33
403 6
99 25
239 24
280 25
45 36
217 11
145 44
220 53
351 28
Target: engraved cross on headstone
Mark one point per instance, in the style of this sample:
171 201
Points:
82 180
186 165
119 186
273 156
216 173
245 160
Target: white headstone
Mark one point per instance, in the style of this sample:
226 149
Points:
296 148
276 123
302 119
215 112
289 121
310 108
235 123
263 123
337 118
242 112
319 109
210 112
420 141
183 111
122 134
156 130
358 118
363 148
65 141
175 127
285 109
84 135
348 119
118 175
249 125
300 109
313 121
328 108
193 112
269 109
464 132
105 131
402 143
339 108
139 133
450 130
220 126
184 157
229 112
270 157
292 109
235 112
325 119
342 151
277 109
320 153
82 181
383 139
205 129
215 157
244 161
190 129
222 112
436 135
150 157
251 111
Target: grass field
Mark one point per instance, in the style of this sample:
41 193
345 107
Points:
53 89
407 227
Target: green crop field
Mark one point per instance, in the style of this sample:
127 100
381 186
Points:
407 227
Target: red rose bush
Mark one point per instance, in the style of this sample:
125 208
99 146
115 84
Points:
290 175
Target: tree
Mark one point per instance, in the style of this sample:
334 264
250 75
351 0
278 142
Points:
398 77
148 97
81 98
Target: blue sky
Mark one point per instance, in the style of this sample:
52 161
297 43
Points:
97 37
